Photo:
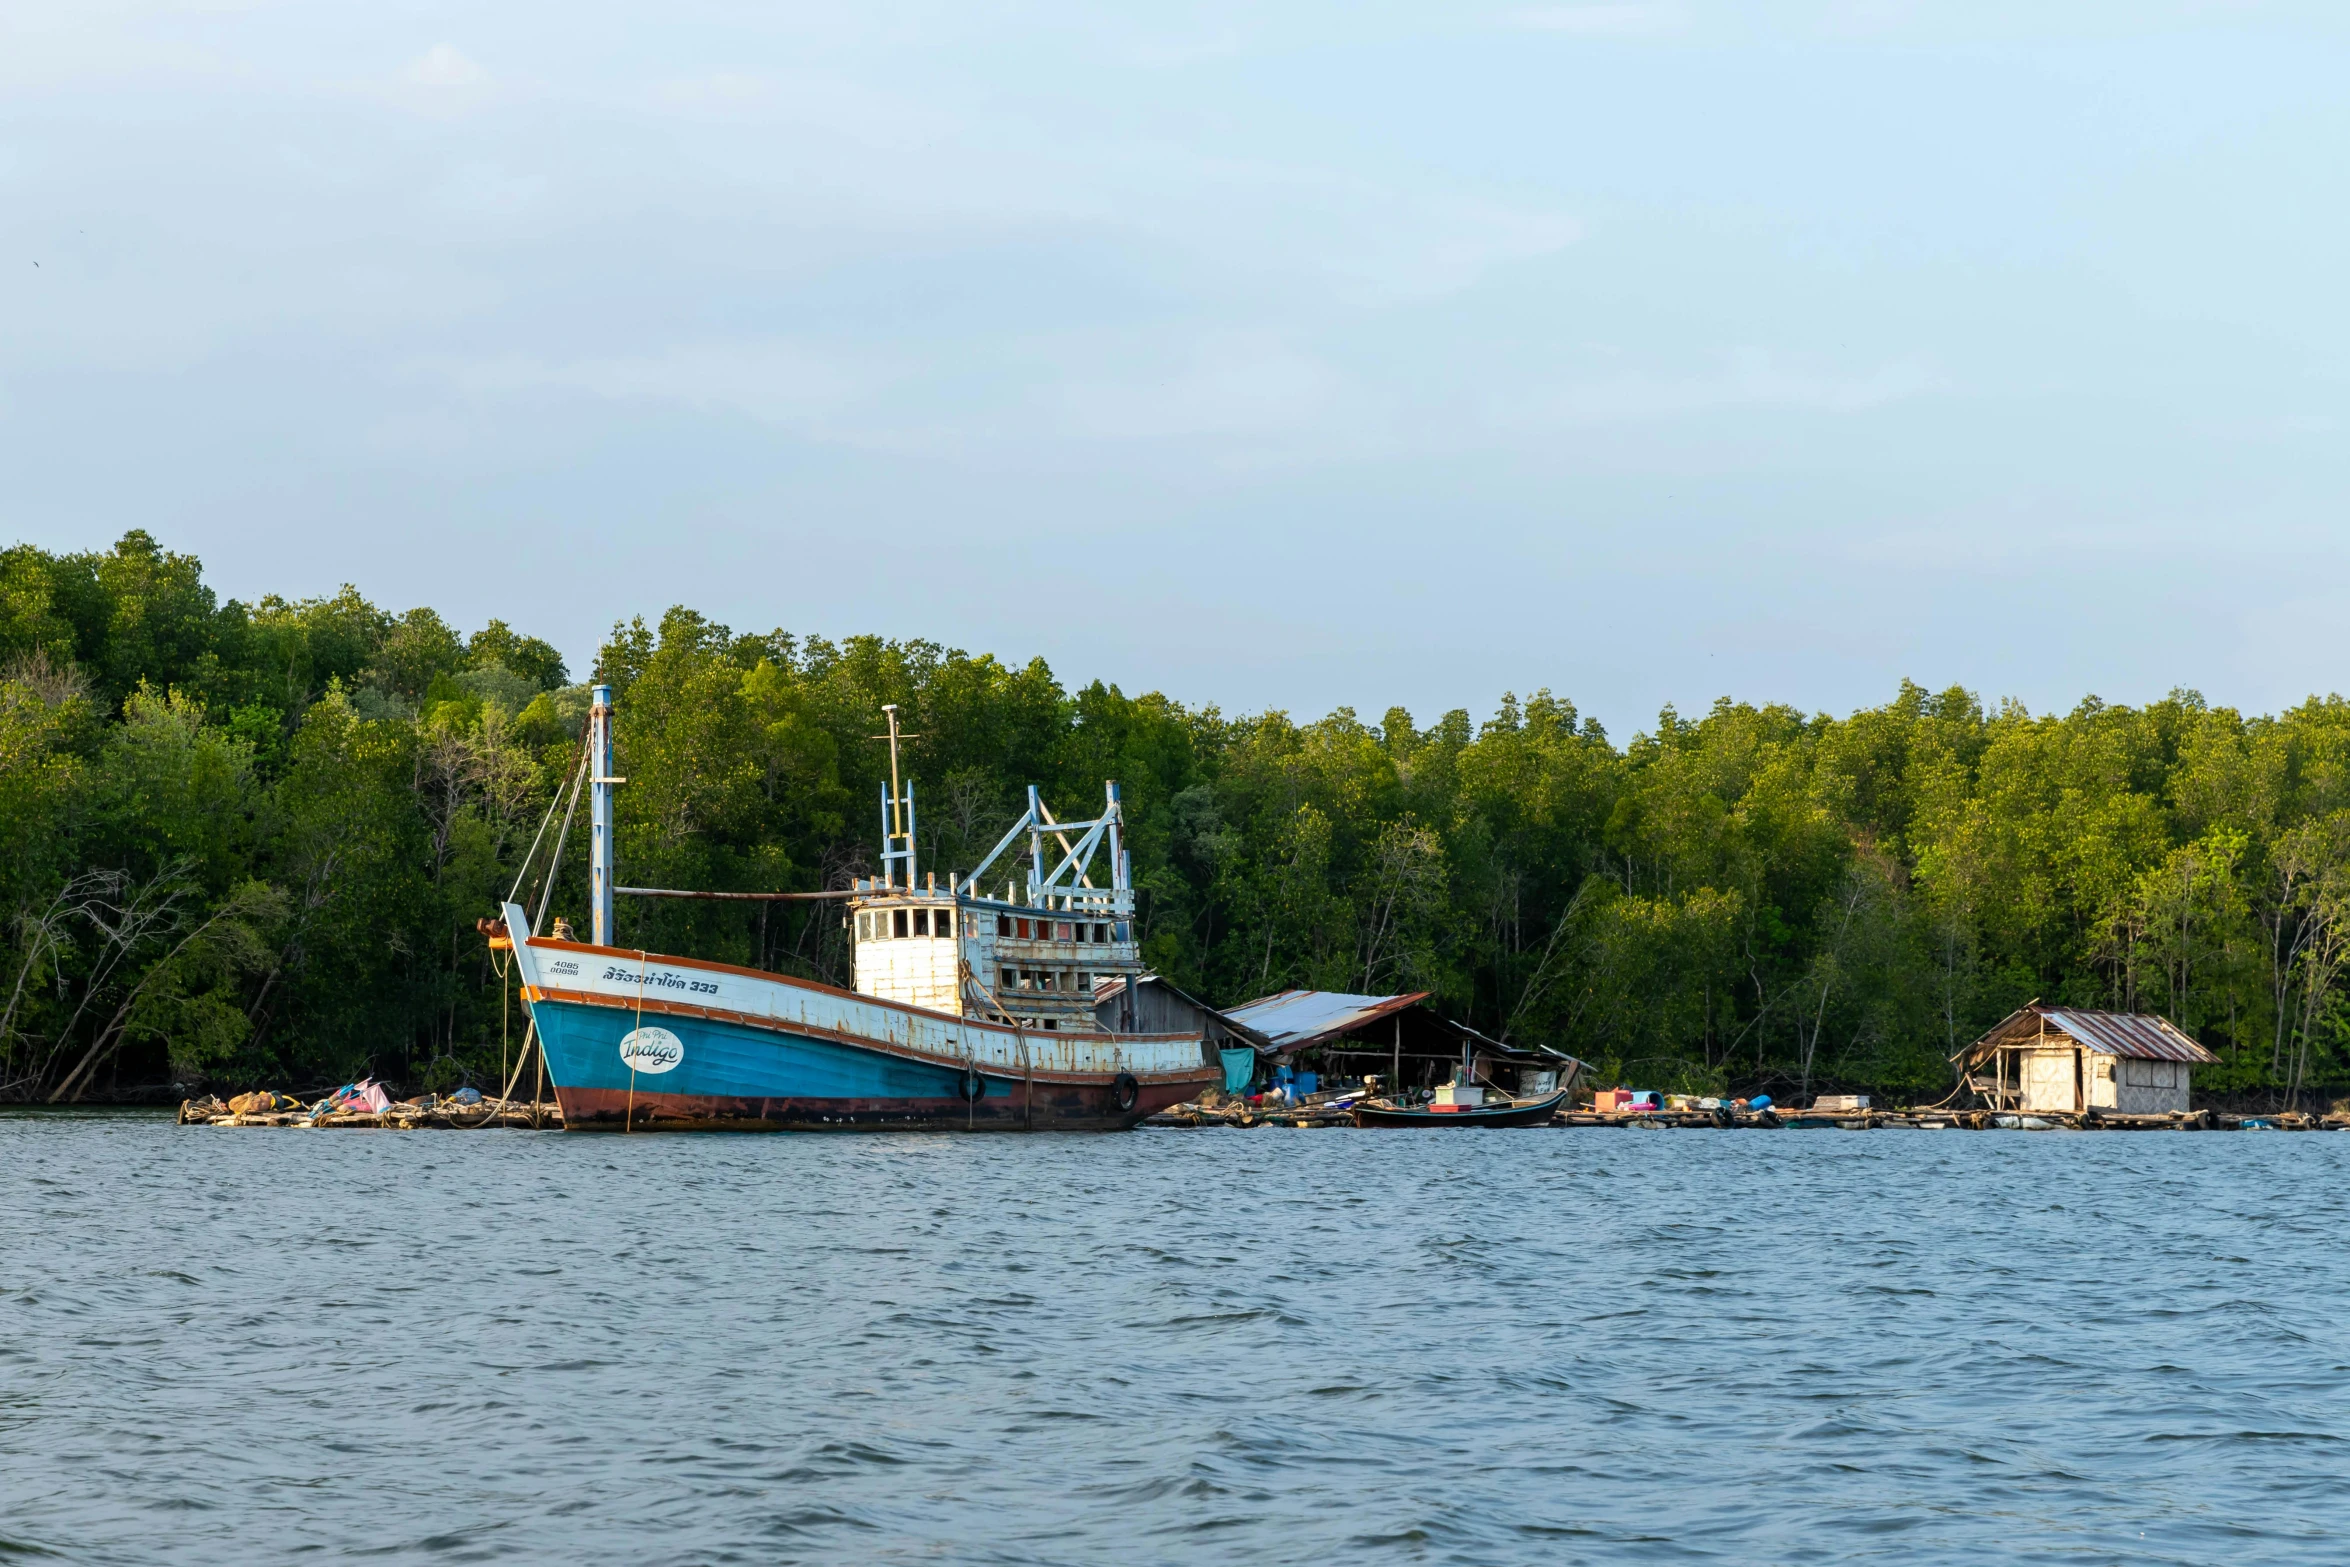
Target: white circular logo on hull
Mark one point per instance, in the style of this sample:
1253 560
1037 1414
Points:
650 1050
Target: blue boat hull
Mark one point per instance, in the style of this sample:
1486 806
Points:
742 1077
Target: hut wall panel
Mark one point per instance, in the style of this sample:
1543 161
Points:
1158 1012
2104 1084
2048 1080
2153 1087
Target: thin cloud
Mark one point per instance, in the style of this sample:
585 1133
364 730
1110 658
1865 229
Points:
443 65
1750 380
772 382
1627 19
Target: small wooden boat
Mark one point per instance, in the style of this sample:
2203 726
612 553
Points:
1528 1112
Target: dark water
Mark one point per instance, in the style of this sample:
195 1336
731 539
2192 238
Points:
1212 1346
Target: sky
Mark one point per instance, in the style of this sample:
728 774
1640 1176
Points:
1271 354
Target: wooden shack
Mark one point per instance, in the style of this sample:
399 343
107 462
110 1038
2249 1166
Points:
1401 1039
1155 1005
1158 1006
2067 1060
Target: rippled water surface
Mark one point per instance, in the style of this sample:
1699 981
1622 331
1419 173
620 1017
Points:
1199 1346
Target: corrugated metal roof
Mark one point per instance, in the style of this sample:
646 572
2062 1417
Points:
2140 1035
1296 1018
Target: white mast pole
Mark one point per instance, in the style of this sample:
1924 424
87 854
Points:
601 856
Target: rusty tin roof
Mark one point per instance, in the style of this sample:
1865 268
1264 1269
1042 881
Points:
1296 1018
2140 1035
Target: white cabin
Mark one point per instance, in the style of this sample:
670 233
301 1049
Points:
1036 958
988 958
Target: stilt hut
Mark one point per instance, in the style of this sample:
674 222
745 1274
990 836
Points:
2069 1059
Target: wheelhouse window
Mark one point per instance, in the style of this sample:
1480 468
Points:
942 923
1003 924
897 923
1024 932
864 927
921 922
1011 980
1064 932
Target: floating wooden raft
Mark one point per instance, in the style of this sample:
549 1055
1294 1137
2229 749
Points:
400 1118
1305 1116
1191 1115
1961 1120
1188 1115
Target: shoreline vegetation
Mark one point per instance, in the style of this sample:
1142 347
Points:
248 843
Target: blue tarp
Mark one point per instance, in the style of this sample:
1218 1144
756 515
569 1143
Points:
1240 1067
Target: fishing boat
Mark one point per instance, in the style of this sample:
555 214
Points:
968 1012
1505 1112
1463 1102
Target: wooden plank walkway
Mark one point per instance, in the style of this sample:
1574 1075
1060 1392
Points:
1312 1116
443 1116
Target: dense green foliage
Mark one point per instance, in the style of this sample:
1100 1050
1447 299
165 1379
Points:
250 843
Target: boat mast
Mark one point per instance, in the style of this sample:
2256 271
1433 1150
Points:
601 859
897 808
1121 866
1035 849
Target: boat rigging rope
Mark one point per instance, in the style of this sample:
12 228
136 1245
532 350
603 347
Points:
643 959
523 871
1957 1089
505 970
505 1002
492 1111
555 861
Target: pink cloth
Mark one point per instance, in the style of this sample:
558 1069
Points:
366 1094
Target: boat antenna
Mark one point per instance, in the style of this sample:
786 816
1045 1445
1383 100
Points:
897 806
